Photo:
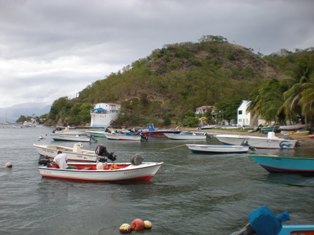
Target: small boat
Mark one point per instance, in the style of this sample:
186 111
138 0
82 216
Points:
311 136
186 135
269 142
277 164
111 173
96 133
291 127
75 138
75 153
151 131
207 148
300 229
123 136
268 129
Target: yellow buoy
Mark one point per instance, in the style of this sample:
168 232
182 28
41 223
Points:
148 224
125 228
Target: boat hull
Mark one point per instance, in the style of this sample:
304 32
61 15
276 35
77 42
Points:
180 136
204 148
74 138
125 137
158 133
258 142
306 229
294 165
142 172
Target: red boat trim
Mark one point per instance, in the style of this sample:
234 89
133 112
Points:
140 178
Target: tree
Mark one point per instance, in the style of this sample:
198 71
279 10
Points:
267 101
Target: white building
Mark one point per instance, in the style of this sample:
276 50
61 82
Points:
243 115
245 118
103 114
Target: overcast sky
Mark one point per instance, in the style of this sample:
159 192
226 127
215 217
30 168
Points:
55 48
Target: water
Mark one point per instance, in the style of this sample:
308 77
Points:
190 194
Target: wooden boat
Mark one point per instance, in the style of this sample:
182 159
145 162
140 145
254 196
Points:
269 142
111 173
123 136
75 153
75 138
207 148
186 135
300 229
277 164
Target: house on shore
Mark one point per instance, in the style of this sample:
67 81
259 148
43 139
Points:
245 118
103 114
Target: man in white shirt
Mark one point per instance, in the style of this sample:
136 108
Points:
61 160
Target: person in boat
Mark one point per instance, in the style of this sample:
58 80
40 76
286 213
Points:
61 160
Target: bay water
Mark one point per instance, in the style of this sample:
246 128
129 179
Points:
190 194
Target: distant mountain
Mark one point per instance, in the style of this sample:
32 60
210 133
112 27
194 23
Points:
11 114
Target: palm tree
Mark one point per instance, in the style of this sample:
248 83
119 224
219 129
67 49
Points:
267 101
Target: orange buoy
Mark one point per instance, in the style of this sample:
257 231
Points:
125 228
137 225
148 224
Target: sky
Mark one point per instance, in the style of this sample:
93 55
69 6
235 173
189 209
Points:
56 48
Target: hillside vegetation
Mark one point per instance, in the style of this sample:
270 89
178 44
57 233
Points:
171 82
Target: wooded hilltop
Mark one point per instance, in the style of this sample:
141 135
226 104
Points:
166 87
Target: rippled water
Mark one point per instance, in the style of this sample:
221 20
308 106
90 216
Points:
190 194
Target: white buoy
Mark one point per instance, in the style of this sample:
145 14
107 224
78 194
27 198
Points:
8 165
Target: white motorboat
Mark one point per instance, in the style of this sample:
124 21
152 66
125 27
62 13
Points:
206 148
123 136
269 142
186 135
67 137
112 172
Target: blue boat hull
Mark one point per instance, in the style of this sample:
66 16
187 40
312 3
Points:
294 165
307 229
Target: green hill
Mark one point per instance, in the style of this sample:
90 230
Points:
172 81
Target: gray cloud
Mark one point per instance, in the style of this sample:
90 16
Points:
76 42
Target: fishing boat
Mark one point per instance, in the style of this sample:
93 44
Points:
269 142
75 153
299 229
186 135
277 164
151 131
123 136
75 138
111 173
96 133
206 148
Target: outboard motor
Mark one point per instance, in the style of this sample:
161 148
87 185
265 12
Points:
44 161
263 221
103 154
136 160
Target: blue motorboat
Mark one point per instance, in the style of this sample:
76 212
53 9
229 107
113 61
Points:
278 164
